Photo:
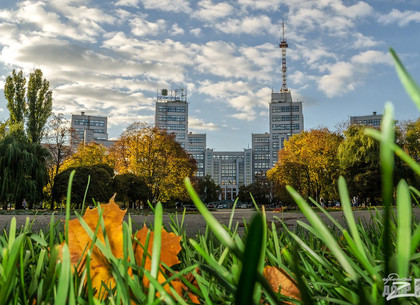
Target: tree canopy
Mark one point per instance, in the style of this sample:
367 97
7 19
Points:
308 162
157 158
32 105
22 170
100 187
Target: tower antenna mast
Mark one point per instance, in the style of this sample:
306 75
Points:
283 46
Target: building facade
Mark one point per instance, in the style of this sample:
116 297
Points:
171 114
367 120
286 120
89 128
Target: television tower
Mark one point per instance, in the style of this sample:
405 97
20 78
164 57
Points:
283 46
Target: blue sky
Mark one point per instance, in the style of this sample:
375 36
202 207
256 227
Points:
110 58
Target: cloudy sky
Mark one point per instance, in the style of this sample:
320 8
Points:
110 58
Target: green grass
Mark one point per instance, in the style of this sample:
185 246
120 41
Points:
345 264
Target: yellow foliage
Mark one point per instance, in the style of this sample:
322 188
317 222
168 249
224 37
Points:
87 155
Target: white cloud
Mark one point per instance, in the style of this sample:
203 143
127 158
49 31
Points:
253 25
198 124
260 4
142 27
344 77
339 81
403 18
371 57
363 41
176 30
196 32
210 11
133 3
167 5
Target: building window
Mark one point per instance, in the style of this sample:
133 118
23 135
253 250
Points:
278 109
285 126
172 118
167 108
195 140
286 117
173 126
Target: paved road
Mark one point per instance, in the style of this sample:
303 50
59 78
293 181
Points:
195 223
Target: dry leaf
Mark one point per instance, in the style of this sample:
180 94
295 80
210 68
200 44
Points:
113 216
279 278
79 242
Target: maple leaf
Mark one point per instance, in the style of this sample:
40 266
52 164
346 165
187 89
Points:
79 242
279 278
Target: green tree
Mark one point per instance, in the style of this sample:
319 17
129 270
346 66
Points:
14 91
57 143
39 105
130 189
33 103
100 187
261 190
207 189
359 162
23 171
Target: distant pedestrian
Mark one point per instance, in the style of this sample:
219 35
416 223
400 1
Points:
24 203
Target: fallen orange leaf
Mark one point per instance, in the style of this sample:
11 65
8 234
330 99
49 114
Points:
280 278
79 242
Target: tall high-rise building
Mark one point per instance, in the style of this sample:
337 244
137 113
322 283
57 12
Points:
286 119
171 113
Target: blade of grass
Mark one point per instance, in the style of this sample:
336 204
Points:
403 229
68 202
408 82
221 234
157 242
386 156
250 262
323 233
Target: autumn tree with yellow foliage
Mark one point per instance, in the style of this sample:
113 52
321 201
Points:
308 162
87 155
157 158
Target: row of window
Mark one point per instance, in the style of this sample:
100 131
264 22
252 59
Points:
167 108
261 165
282 118
261 148
180 136
196 140
87 122
262 157
371 122
173 126
172 118
285 126
198 156
195 148
277 109
261 140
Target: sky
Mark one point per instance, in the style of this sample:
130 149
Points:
110 58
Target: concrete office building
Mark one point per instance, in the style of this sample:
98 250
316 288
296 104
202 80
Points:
89 128
367 120
230 170
196 146
286 120
171 114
